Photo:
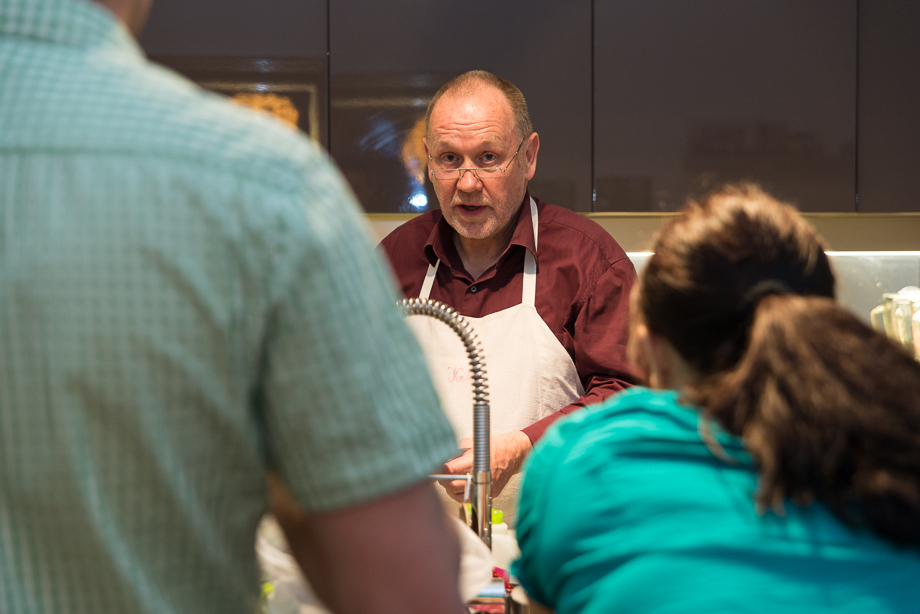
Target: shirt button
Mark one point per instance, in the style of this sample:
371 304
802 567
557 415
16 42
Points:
474 289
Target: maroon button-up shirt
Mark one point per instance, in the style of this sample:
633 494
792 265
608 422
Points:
583 283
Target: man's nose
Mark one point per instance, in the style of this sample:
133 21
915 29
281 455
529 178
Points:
469 182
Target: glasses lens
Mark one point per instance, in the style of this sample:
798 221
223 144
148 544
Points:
455 173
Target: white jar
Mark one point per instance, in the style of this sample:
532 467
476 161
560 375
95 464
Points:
504 545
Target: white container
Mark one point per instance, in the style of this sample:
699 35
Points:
504 545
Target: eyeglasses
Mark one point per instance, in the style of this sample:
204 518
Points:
451 174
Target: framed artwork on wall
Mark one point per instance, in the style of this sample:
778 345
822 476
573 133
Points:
293 90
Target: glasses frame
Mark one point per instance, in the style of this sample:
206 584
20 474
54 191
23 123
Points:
448 172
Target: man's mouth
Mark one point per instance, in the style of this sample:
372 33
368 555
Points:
468 206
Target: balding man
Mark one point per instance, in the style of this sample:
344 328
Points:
546 289
188 305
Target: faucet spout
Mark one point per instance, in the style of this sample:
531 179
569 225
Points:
481 496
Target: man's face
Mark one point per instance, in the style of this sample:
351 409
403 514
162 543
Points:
477 130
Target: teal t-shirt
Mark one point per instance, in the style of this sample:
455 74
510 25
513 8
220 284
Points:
624 508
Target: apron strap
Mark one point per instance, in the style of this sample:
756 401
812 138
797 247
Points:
429 280
530 262
534 218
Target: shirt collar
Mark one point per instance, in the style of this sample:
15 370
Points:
440 244
73 23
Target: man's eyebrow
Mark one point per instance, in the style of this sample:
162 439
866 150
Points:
442 144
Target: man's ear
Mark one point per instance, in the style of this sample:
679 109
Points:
531 148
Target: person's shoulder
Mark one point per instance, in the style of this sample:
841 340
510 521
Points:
633 414
412 233
559 223
651 405
643 422
622 423
422 223
122 104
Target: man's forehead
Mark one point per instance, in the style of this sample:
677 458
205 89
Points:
480 109
484 134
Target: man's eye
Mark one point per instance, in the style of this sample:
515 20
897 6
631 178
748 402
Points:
449 159
488 159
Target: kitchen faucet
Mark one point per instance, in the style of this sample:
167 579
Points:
481 475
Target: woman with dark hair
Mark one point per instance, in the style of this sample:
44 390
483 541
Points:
773 466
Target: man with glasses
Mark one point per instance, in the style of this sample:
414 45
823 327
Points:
546 290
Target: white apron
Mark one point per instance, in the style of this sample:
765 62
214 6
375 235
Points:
529 373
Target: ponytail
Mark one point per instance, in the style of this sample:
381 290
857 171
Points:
829 409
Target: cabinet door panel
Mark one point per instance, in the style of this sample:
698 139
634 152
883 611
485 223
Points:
889 106
237 28
692 94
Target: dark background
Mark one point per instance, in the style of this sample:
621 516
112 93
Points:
638 103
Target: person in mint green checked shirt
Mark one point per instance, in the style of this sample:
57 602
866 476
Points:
773 466
189 303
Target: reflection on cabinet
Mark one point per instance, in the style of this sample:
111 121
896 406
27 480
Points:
889 106
692 94
381 82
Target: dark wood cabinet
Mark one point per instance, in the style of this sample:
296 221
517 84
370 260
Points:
888 155
237 28
692 94
638 103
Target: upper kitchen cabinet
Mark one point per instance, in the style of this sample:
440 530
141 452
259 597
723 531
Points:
690 94
268 54
388 58
889 106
